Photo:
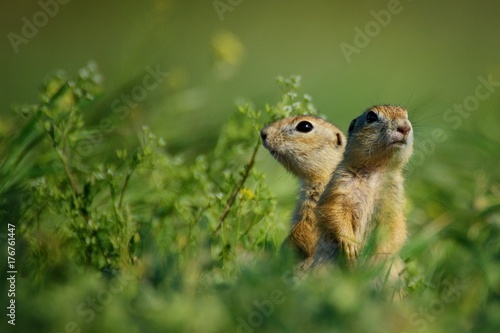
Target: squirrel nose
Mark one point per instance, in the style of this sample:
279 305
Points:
263 134
404 128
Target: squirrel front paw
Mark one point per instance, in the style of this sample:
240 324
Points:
349 248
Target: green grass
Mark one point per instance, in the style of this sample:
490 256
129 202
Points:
117 235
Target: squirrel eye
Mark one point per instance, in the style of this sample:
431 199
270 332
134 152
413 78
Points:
371 117
304 127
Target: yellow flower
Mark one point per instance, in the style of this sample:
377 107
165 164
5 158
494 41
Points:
228 48
247 193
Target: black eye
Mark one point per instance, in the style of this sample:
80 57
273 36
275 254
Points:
351 125
304 127
371 117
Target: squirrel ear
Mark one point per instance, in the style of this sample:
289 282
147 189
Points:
351 125
339 139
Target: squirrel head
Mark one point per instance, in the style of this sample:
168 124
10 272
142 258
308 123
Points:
307 146
381 136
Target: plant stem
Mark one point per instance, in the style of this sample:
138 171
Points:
124 187
69 175
238 187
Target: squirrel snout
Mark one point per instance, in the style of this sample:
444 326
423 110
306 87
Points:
404 128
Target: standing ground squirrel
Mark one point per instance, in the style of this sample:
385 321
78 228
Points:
365 195
310 148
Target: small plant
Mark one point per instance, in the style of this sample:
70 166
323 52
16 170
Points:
112 214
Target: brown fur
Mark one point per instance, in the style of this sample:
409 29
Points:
311 157
365 196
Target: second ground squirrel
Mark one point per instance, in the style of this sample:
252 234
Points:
310 148
365 196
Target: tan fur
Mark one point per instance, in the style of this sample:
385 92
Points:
311 157
365 196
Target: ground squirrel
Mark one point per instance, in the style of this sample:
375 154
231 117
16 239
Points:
365 196
310 148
